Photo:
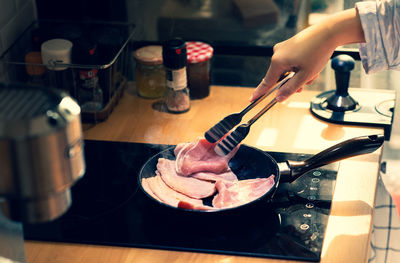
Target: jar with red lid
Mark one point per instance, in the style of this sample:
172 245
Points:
199 55
150 72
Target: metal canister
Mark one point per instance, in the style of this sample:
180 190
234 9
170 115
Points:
41 145
150 72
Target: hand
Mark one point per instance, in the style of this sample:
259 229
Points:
308 52
303 54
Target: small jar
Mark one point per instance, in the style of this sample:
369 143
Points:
90 95
34 68
199 55
178 101
150 72
56 55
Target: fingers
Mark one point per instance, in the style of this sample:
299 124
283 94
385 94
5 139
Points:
270 79
295 84
312 80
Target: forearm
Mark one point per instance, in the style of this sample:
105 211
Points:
346 28
340 29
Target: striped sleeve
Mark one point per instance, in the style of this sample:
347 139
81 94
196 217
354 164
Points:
381 25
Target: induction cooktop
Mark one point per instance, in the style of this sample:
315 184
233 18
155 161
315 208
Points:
109 208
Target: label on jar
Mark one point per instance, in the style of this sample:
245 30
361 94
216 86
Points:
88 78
176 79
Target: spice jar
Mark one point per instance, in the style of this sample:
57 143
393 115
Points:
175 61
150 72
89 94
199 55
56 55
36 72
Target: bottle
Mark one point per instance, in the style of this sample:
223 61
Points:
175 61
150 72
89 95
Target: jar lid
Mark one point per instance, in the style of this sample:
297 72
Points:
198 51
149 55
56 51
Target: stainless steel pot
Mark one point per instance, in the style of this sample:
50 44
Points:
41 152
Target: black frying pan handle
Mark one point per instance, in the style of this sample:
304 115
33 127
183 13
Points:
352 147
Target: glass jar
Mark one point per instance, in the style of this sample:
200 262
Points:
199 55
150 72
90 95
56 55
178 101
36 72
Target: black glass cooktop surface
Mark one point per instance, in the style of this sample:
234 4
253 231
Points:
109 208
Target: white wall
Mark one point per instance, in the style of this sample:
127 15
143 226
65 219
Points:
15 17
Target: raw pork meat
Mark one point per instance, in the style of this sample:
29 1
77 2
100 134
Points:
165 194
189 186
208 176
199 172
199 156
231 194
146 187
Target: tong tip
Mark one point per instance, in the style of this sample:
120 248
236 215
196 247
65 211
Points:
219 151
210 137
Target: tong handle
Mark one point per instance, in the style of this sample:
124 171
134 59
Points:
273 101
261 112
285 77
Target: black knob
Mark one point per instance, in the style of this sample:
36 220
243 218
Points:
343 63
341 100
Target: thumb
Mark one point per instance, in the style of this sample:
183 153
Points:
270 79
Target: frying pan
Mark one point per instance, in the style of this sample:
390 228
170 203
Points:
250 162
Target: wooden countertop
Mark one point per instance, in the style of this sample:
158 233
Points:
287 127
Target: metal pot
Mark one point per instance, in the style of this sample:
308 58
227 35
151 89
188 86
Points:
41 151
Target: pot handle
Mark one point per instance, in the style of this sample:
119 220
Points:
349 148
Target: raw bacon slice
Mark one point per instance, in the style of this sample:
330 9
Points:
146 188
165 194
189 186
231 194
179 147
199 156
207 176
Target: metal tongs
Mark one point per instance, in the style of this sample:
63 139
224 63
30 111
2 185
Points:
219 130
